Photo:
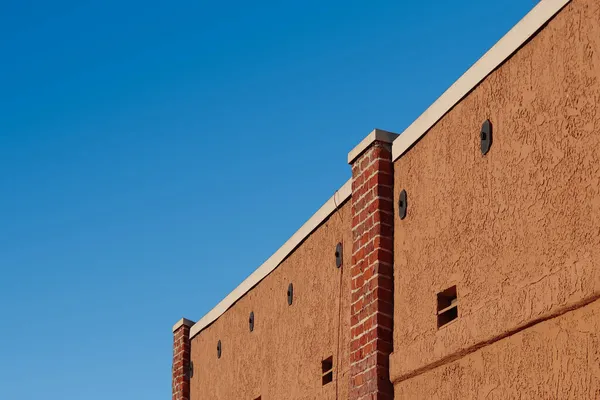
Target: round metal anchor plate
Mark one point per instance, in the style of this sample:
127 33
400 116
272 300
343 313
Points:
402 204
486 137
338 255
290 294
191 370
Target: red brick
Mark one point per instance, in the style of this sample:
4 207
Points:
181 359
372 273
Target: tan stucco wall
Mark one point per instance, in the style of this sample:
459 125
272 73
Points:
517 230
281 358
556 359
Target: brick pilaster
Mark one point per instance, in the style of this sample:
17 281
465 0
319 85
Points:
181 359
372 268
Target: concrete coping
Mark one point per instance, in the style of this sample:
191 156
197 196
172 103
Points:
375 135
183 322
339 197
498 54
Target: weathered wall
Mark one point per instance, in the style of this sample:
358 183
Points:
281 358
556 359
517 230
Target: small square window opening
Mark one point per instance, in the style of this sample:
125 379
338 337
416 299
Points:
327 370
447 306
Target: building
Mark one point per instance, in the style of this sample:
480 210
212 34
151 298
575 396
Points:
451 265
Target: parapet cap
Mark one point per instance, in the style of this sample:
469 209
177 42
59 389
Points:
183 322
378 135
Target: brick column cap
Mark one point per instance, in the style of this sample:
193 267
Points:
183 322
376 135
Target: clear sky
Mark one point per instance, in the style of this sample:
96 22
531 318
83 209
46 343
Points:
153 154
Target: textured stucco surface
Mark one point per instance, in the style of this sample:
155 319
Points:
281 358
517 230
556 359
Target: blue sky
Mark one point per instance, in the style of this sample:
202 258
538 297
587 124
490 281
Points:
152 155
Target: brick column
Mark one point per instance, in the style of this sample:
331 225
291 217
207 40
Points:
181 359
372 306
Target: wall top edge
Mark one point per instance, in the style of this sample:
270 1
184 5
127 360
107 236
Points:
498 54
339 197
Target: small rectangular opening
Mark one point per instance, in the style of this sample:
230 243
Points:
327 378
446 298
447 306
447 316
327 370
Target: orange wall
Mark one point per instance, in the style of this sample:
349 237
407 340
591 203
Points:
556 359
281 358
517 230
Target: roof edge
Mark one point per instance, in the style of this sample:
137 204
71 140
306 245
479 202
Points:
340 196
498 54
